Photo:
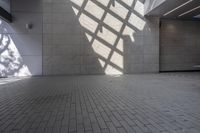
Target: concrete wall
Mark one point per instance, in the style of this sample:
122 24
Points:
66 49
80 37
21 49
98 37
180 45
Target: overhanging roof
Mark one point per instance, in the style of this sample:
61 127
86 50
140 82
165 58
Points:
181 9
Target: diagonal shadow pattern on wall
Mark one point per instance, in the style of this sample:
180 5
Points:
106 25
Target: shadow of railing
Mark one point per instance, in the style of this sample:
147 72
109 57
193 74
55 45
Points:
105 24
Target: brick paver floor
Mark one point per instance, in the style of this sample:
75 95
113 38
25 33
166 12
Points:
145 103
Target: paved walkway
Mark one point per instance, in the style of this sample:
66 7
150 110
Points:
151 103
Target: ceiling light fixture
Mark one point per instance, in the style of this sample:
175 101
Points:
189 11
177 7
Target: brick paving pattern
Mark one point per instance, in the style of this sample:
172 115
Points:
149 103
